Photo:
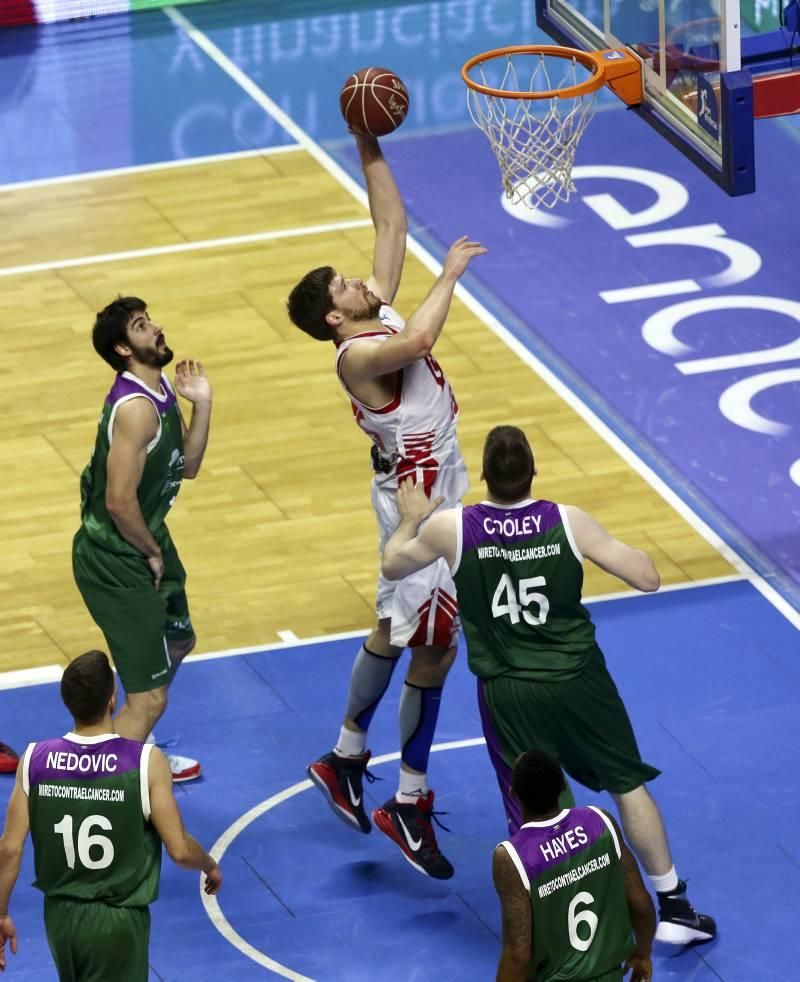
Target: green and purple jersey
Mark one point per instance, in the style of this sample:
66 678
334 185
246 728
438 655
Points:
519 576
89 808
162 474
570 865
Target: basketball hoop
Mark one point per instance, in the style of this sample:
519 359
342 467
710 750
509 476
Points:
536 110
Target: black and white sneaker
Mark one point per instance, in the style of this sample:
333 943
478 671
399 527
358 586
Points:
341 780
679 922
410 827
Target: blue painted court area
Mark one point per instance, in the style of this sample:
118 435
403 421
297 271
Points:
712 682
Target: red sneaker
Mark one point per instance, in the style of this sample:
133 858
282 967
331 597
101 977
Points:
8 759
410 827
183 768
341 780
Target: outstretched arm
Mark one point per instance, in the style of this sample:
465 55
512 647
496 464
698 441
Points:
388 216
411 548
515 907
367 361
633 566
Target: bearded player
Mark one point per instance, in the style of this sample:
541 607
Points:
404 404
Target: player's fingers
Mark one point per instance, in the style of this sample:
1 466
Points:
200 369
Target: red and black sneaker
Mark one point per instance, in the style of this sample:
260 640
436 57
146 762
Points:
8 759
341 780
410 826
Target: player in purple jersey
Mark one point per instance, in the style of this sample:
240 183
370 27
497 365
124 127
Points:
571 895
98 807
542 680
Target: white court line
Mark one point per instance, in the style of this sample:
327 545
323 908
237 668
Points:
21 678
477 308
176 247
213 158
219 848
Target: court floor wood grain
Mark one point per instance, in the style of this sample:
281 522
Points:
277 532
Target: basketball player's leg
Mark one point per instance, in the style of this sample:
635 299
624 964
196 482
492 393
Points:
340 774
407 818
94 942
600 751
419 711
516 716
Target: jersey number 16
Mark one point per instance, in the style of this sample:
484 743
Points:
86 841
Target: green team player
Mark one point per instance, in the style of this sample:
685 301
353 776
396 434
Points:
98 807
123 558
542 680
572 899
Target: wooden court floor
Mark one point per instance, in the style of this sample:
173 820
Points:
277 533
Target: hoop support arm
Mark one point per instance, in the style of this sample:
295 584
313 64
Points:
623 74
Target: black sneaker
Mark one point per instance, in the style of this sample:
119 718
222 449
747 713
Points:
340 779
410 826
679 922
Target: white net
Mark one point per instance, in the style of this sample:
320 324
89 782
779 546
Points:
534 140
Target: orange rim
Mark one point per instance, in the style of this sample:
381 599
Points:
589 59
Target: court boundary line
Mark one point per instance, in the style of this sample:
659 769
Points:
22 678
211 158
668 493
172 248
218 850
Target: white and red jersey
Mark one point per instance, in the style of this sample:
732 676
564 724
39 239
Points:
416 429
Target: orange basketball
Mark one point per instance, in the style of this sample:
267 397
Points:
374 101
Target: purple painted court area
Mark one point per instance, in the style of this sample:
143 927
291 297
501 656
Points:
702 379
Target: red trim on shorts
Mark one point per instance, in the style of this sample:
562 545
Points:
445 612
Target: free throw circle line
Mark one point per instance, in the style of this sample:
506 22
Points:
218 850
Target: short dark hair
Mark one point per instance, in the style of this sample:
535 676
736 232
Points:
87 686
537 780
508 464
310 301
111 327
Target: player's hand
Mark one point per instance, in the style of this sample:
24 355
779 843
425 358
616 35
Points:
213 881
156 564
640 967
413 504
191 381
460 254
7 933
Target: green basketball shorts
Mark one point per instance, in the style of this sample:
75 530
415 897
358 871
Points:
582 721
136 619
93 942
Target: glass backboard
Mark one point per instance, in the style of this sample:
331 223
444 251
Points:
690 51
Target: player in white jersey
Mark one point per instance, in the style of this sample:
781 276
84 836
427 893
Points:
403 402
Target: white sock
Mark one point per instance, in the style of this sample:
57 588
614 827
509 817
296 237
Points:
351 743
412 786
667 883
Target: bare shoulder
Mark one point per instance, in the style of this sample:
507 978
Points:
158 768
136 419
